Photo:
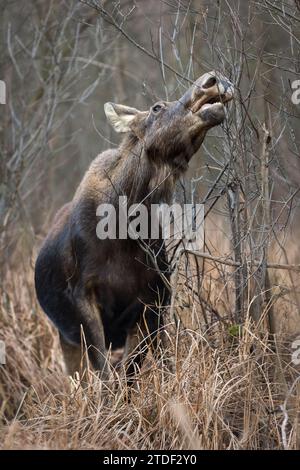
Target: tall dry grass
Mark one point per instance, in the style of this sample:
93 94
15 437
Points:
230 389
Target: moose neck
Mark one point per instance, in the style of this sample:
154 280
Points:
141 179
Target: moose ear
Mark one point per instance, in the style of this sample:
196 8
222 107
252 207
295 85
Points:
120 116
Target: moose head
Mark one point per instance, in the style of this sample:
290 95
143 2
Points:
171 132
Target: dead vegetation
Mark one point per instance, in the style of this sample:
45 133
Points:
227 390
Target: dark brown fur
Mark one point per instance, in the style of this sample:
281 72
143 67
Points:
110 290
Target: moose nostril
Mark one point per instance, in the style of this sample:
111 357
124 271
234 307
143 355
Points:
210 83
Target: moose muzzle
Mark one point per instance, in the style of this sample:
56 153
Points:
208 95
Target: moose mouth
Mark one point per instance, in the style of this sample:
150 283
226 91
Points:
205 102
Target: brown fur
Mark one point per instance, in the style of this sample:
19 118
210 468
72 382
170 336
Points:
111 289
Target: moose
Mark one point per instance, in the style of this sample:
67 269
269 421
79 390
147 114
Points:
113 292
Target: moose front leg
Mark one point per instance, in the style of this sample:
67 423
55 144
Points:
81 326
94 336
73 357
143 336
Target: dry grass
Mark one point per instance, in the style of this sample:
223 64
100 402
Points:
226 392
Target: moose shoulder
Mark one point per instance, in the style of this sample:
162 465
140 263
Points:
110 288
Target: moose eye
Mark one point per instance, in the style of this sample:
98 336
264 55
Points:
156 108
